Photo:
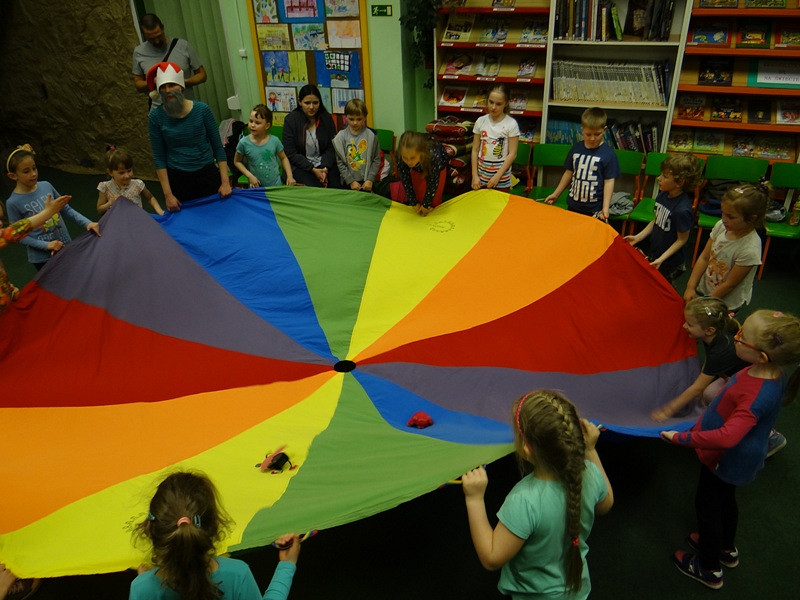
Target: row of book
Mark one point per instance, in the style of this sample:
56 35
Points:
699 107
621 82
627 135
489 64
753 33
472 98
773 146
598 20
495 30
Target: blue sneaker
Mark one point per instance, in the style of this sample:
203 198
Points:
728 558
775 442
689 565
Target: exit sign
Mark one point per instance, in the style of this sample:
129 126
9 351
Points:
381 10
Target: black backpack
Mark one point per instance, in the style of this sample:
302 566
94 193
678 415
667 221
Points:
234 135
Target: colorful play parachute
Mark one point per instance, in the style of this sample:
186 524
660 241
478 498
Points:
316 320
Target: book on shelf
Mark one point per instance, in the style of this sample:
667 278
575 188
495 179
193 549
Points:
503 3
753 33
636 17
691 107
710 34
787 35
527 67
457 63
533 32
709 141
744 144
775 146
519 99
680 140
719 3
495 30
715 71
453 96
527 131
453 3
480 97
726 108
459 27
788 112
765 3
659 20
759 110
625 82
616 22
487 64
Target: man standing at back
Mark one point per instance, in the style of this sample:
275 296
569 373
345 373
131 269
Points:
158 48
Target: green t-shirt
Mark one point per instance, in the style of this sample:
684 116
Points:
535 511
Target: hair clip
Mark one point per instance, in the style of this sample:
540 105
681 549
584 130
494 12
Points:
575 541
151 516
182 521
110 148
777 314
738 190
197 521
711 313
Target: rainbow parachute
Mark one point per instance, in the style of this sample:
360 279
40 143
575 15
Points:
320 320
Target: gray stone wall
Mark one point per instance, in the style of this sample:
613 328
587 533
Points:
66 85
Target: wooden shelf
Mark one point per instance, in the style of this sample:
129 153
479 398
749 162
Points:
479 110
479 78
771 160
497 10
727 51
739 90
491 45
734 126
746 12
612 106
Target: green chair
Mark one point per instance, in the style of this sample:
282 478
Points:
630 163
783 175
740 168
644 209
544 156
523 188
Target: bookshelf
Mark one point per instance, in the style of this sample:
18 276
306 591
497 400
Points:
630 71
480 42
739 88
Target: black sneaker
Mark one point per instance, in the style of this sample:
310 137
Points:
689 565
727 558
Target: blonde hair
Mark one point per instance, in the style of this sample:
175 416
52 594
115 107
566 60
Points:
594 118
779 339
750 201
710 311
549 425
356 107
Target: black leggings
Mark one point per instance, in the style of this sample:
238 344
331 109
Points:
191 185
717 517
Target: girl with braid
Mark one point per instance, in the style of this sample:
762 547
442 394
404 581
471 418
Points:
540 539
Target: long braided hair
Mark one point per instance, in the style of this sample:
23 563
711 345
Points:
549 424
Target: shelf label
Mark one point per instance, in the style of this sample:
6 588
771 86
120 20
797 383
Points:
503 9
516 112
485 78
531 45
523 80
488 45
446 43
449 76
471 109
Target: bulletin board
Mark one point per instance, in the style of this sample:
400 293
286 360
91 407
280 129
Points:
322 42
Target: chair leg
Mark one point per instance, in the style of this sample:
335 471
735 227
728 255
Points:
697 244
764 258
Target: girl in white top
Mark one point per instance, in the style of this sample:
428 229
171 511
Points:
494 145
119 166
727 266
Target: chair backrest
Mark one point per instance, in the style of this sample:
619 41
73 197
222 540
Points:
386 139
630 161
523 155
742 168
550 155
277 131
652 165
785 175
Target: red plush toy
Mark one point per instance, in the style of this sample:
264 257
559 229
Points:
420 420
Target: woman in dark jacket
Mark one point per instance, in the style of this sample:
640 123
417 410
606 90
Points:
308 133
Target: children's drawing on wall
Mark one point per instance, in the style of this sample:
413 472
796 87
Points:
309 36
338 69
344 34
301 11
281 99
325 96
265 11
273 36
340 97
285 68
341 8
